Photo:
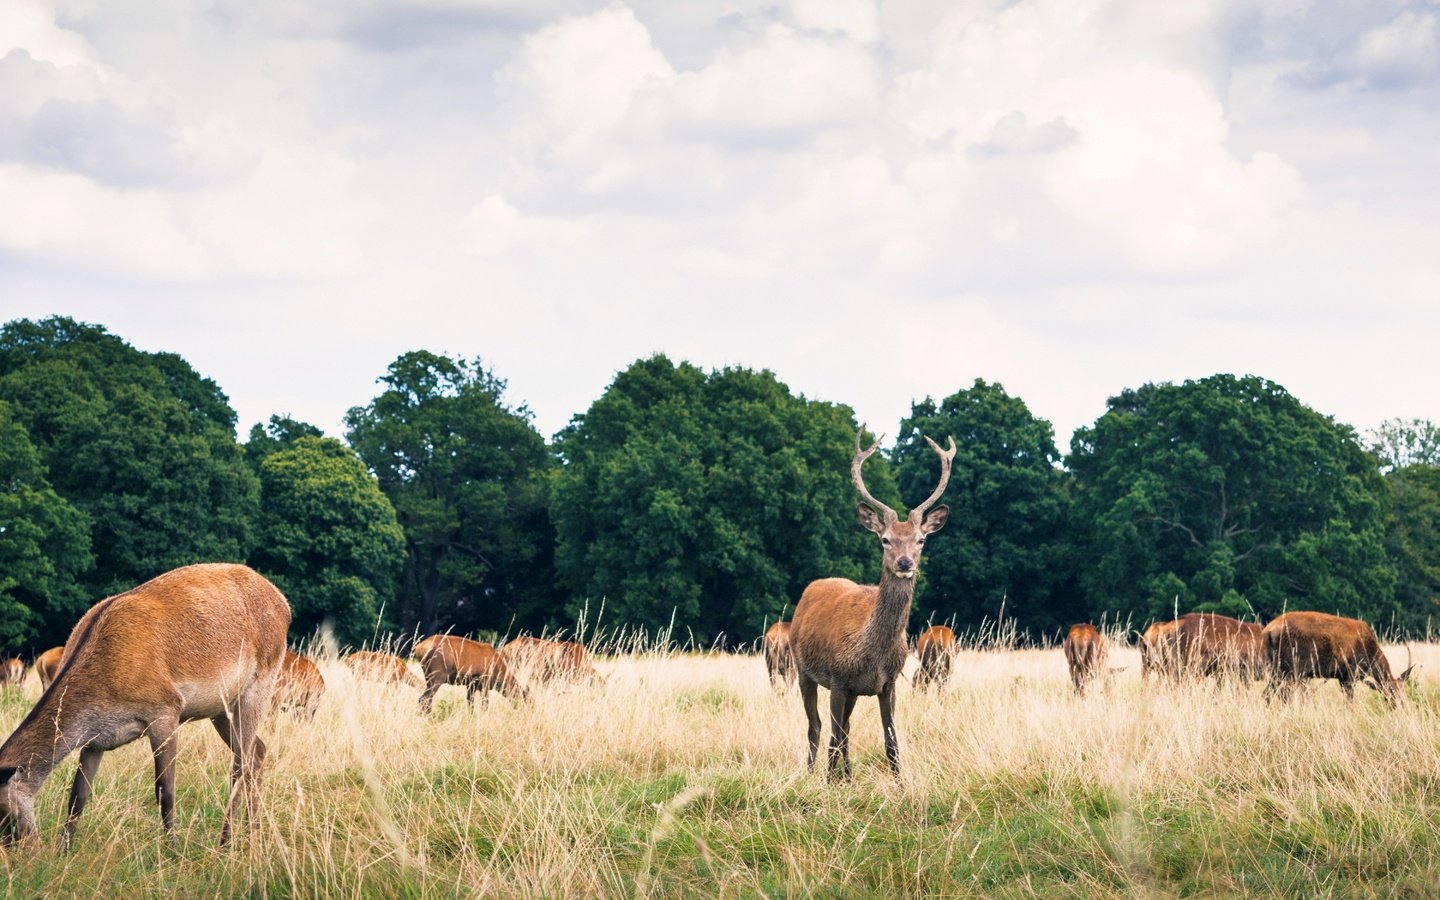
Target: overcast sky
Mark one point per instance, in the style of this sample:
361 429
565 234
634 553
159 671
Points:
876 201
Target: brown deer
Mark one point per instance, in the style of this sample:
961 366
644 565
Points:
1085 653
779 658
300 687
936 649
539 660
476 666
851 637
1318 645
383 667
1211 644
47 665
199 642
1157 649
12 672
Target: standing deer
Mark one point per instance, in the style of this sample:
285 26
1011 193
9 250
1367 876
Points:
1085 653
47 665
1157 649
199 642
300 686
539 660
1211 644
779 657
1318 645
476 666
851 637
936 649
383 667
12 672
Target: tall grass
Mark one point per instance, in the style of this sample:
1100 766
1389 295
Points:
684 775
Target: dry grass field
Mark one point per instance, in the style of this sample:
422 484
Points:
684 775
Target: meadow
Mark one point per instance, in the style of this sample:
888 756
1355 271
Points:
684 775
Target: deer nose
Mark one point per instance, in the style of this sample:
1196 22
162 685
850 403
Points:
904 563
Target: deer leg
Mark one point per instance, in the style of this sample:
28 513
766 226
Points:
887 722
841 703
809 696
80 789
427 696
238 730
165 749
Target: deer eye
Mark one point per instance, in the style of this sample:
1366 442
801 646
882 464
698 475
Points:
885 541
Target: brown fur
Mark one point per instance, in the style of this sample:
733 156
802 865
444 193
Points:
12 672
1210 644
47 665
1318 645
851 637
1085 653
1157 650
476 666
199 642
538 660
779 658
301 686
383 667
936 649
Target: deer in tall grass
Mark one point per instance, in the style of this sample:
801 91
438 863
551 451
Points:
936 649
12 672
779 657
850 637
199 642
476 666
1085 654
1302 645
47 665
300 686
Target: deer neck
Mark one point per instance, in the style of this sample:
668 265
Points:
892 613
52 731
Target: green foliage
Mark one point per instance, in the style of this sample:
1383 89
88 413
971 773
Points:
1398 443
1413 542
713 497
137 441
468 476
44 547
279 434
327 537
1228 491
1007 538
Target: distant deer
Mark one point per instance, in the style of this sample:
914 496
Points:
47 665
1318 645
851 637
936 649
476 666
12 672
779 657
300 687
1085 653
199 642
540 660
382 667
1211 644
1157 650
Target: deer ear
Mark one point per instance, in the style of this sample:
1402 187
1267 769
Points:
936 519
871 519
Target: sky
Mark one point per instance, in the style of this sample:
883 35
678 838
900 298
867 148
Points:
877 201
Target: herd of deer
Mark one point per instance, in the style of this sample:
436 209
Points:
208 642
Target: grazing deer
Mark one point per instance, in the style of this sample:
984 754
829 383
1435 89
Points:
851 637
47 665
199 642
936 649
1211 644
1157 649
12 672
779 657
539 660
383 667
476 666
1318 645
300 687
1085 652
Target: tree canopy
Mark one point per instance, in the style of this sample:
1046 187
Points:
714 498
1228 494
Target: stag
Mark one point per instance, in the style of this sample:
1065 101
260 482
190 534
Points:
47 665
12 672
1209 644
1085 653
199 642
1157 649
301 686
936 649
851 637
779 657
476 666
386 668
1318 645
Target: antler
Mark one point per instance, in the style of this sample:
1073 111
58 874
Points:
1410 667
860 457
946 456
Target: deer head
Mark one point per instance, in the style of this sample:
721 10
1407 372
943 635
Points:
903 541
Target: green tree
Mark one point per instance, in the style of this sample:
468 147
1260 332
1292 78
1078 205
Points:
468 476
1413 542
1007 538
280 433
137 441
1228 494
327 537
713 498
1405 442
44 548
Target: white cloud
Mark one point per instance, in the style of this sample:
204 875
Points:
857 19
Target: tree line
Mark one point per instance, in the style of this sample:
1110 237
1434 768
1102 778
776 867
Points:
693 500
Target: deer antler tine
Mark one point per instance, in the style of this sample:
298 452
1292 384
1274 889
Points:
860 457
945 458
